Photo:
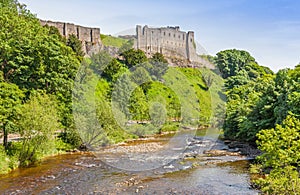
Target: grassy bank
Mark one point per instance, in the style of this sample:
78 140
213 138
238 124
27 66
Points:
112 41
174 94
10 158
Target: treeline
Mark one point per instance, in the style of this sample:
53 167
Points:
263 109
37 72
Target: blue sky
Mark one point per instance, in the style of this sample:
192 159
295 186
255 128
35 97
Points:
268 29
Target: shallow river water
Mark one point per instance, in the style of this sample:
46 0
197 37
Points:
191 172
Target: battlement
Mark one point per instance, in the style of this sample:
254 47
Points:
90 37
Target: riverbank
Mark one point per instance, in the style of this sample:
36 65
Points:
193 171
150 144
243 147
10 158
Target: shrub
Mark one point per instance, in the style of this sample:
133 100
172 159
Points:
4 161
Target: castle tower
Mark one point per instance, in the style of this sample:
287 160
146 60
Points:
138 36
190 46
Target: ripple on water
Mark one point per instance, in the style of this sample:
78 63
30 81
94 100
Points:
86 174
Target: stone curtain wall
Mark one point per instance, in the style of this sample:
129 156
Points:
90 37
177 45
169 41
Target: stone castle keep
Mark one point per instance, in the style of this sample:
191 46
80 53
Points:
89 37
169 41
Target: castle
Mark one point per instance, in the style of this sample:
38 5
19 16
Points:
176 45
169 41
89 37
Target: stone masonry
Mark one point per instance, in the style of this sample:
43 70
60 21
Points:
169 41
178 46
90 37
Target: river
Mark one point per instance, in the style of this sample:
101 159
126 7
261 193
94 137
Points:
109 171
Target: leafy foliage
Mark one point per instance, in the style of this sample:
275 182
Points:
230 62
263 108
37 71
129 100
30 57
37 125
10 102
139 108
158 114
134 57
100 61
281 146
250 95
113 69
76 46
4 161
34 57
159 65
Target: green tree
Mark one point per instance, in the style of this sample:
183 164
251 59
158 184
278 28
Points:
121 95
1 76
134 57
53 31
250 108
76 46
113 69
34 58
273 105
240 79
230 62
281 144
10 101
37 125
159 65
100 61
208 80
281 155
282 181
282 91
252 95
158 114
140 76
293 99
158 57
139 105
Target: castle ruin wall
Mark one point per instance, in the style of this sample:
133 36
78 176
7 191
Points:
89 37
169 41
